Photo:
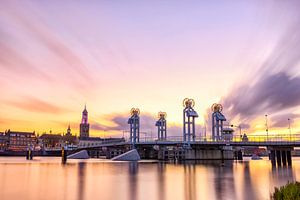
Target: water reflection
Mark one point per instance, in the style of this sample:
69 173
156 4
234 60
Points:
95 179
190 181
161 170
81 180
133 180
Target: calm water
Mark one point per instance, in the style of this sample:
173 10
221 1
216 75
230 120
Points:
47 178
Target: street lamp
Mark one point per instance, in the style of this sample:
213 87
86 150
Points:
240 128
290 128
267 128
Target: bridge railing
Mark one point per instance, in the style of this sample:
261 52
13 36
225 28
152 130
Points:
236 138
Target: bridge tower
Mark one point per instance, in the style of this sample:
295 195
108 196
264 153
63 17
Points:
134 122
217 121
189 115
161 124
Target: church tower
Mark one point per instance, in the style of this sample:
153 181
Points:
84 125
69 131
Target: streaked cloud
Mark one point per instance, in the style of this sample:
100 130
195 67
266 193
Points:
33 104
274 88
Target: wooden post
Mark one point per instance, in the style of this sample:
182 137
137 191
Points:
63 155
29 154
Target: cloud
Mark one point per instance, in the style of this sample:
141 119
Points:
147 125
12 60
271 94
33 104
274 88
281 120
119 122
30 31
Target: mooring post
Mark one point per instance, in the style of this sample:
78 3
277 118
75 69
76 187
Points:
29 154
63 155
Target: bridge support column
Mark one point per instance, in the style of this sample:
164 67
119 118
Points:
273 157
240 155
289 158
278 157
283 157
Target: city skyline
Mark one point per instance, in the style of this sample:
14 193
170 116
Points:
114 56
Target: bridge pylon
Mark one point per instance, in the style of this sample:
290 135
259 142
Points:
217 121
161 124
134 122
189 115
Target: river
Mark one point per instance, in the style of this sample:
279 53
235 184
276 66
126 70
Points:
46 178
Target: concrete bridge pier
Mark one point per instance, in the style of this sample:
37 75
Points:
289 158
272 157
281 156
278 157
238 154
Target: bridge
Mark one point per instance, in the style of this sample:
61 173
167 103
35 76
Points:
172 148
253 140
222 144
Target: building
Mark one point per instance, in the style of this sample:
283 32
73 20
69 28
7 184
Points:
84 125
68 138
51 141
20 141
57 141
3 142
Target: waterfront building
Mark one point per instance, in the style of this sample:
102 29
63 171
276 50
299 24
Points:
84 125
68 138
19 141
51 141
3 142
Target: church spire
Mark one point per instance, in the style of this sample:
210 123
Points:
84 126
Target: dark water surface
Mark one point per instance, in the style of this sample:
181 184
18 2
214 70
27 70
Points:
47 178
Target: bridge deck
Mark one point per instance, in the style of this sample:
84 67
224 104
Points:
204 143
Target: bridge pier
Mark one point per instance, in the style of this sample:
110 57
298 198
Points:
195 153
272 157
238 155
289 158
281 156
278 157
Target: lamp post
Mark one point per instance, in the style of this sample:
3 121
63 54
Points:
240 128
290 128
267 128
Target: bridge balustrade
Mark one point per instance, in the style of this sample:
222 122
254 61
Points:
237 138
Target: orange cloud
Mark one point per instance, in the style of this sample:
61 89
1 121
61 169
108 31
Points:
33 104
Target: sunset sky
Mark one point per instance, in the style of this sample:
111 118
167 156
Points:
57 56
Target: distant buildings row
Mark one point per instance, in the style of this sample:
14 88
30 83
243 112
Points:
20 141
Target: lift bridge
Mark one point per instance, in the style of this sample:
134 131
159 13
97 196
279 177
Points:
189 146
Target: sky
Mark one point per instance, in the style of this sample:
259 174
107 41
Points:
57 56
